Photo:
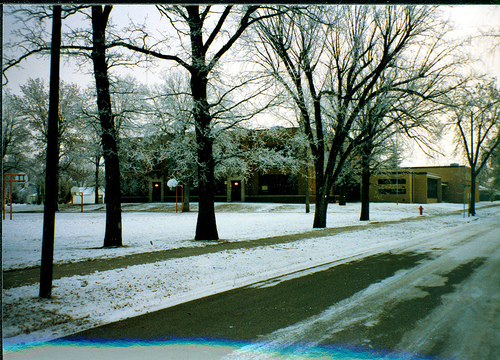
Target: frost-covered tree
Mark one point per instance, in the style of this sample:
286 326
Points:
170 137
491 178
15 137
475 119
171 131
204 35
31 110
333 62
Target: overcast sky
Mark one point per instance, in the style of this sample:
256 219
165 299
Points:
467 19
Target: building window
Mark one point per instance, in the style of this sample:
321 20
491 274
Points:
391 181
392 191
220 187
278 185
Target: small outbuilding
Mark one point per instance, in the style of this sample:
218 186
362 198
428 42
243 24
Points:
87 195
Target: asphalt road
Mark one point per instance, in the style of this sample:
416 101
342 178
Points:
444 302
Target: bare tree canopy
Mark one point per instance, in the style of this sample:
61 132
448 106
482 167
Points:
205 34
475 118
335 61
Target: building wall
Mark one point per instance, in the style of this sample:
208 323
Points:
419 188
414 185
405 187
391 186
452 179
275 186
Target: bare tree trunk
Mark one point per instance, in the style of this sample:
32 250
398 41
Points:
342 195
365 189
320 212
321 207
206 227
52 161
96 199
40 189
472 202
307 200
113 232
186 200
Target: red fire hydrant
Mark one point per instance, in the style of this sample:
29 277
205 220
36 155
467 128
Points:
421 210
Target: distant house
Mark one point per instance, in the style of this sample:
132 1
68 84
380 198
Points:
87 194
32 198
422 185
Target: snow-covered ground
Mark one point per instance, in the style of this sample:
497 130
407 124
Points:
79 236
82 302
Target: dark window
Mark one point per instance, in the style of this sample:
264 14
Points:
432 188
220 188
391 191
391 181
278 185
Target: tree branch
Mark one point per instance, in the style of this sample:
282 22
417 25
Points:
152 53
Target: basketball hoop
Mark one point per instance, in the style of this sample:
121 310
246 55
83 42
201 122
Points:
172 184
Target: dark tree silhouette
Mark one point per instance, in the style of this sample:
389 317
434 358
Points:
49 213
113 233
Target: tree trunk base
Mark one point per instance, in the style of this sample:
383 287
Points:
320 214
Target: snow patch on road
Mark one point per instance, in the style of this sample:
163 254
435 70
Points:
367 306
466 324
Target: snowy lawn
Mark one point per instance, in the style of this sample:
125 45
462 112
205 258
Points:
79 236
82 302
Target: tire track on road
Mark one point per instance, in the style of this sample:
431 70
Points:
370 317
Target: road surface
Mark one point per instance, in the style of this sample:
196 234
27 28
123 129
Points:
429 301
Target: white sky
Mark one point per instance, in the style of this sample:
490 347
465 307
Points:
466 18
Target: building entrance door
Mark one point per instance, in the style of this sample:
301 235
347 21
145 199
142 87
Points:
156 192
235 190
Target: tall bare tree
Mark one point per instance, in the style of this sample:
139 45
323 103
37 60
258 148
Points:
408 108
476 121
109 138
209 32
333 62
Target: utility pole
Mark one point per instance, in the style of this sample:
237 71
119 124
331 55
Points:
52 161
